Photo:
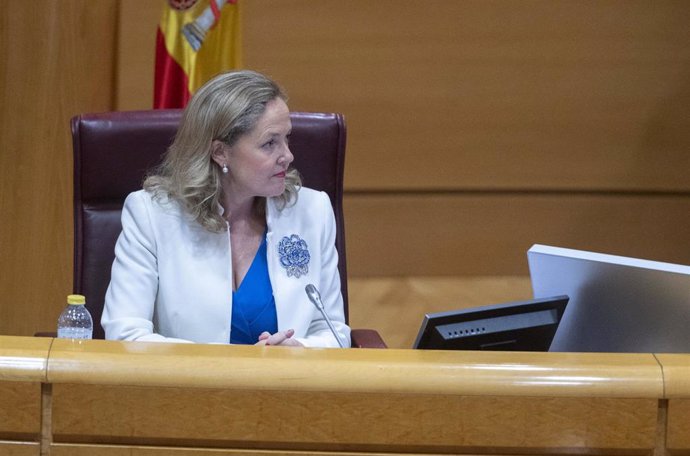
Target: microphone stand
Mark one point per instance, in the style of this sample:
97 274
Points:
315 298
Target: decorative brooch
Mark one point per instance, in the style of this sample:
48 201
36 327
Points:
294 255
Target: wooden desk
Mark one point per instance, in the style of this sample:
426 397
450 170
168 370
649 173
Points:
23 367
676 370
111 398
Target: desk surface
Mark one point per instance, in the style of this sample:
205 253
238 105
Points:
420 371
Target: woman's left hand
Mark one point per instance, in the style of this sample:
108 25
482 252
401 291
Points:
283 338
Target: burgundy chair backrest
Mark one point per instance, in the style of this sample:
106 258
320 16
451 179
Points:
112 153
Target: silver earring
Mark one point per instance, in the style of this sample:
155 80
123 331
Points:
225 168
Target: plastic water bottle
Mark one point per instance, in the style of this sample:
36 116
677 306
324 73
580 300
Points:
75 321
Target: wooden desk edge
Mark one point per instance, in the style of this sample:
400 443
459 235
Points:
385 371
462 373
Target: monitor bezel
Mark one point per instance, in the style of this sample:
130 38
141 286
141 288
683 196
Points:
435 319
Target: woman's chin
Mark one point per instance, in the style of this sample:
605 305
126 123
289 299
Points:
277 191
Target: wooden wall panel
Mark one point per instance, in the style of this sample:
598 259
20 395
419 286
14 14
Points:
19 449
56 60
395 306
489 234
490 94
473 94
136 50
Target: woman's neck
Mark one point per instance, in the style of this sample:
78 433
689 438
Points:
245 211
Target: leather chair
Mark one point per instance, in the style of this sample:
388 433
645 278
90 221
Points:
113 151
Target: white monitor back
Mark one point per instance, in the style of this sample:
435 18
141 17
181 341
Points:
617 304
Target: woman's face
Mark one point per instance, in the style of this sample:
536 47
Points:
259 159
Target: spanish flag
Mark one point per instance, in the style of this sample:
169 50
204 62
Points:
196 40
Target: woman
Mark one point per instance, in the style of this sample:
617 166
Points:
219 245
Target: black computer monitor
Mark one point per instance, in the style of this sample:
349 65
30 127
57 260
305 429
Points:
514 326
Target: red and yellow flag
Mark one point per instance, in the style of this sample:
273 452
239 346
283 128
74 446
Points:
196 39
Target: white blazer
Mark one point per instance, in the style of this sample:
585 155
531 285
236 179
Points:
172 279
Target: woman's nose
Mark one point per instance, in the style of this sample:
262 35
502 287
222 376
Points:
286 157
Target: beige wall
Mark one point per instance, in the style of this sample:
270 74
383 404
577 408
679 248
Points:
476 128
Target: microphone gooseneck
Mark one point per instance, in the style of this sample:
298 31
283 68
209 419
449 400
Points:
315 297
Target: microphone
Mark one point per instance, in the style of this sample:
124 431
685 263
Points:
315 298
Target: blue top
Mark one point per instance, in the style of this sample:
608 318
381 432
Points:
253 305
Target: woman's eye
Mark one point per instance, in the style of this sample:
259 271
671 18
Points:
269 144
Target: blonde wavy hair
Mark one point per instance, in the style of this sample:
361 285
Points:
225 108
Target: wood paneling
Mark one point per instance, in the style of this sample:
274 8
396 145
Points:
19 448
489 94
481 99
136 50
474 94
351 400
221 397
56 60
23 366
286 419
20 414
489 234
188 398
678 437
395 306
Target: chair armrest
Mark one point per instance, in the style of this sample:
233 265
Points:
366 338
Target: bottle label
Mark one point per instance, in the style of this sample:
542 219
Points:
75 333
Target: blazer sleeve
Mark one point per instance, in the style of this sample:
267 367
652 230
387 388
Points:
131 296
319 334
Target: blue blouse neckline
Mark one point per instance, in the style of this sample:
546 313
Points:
253 304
